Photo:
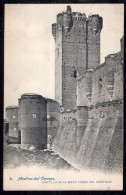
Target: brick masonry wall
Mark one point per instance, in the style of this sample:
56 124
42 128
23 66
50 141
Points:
52 120
102 145
94 26
74 59
118 78
122 47
89 140
82 119
84 89
58 66
65 142
105 83
12 119
77 48
33 121
6 128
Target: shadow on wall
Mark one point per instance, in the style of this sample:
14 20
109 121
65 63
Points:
101 145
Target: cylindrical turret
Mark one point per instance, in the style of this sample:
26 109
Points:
122 47
12 119
19 114
19 121
110 62
67 18
67 21
54 30
95 23
59 21
6 127
33 121
53 108
110 59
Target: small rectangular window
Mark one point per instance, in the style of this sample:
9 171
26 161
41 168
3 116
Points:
75 74
34 115
48 115
49 136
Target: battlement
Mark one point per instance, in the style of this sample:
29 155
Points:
31 96
11 107
65 20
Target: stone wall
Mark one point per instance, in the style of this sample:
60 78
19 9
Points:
6 128
65 142
84 89
53 109
103 84
12 119
82 119
102 143
94 140
100 147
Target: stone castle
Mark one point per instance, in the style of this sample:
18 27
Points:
84 122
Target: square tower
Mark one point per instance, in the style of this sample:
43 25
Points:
72 58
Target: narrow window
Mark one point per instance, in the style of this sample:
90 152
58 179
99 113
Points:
34 115
75 74
48 115
49 137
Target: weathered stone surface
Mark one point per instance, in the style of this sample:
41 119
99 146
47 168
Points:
33 120
12 119
77 49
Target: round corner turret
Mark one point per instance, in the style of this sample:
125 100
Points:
54 26
110 58
59 20
69 10
122 47
95 22
67 20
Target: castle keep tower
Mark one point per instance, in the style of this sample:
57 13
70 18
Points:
77 48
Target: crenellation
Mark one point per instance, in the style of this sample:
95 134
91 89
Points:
54 27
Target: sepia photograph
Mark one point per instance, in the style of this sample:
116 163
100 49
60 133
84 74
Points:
63 97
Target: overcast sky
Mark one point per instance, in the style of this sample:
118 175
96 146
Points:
30 47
